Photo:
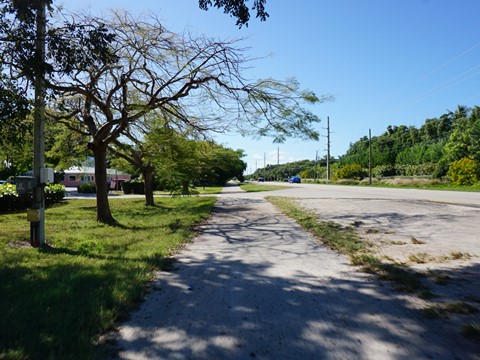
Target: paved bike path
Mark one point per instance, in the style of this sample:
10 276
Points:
254 285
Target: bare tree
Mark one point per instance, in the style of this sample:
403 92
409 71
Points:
196 80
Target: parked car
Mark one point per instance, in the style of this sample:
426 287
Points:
295 180
261 178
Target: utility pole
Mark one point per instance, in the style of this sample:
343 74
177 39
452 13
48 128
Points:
278 161
265 166
37 228
328 148
315 168
370 156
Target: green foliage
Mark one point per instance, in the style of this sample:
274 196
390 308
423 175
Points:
181 162
284 171
415 170
350 171
465 171
8 196
135 186
427 151
11 201
383 171
87 188
237 9
54 193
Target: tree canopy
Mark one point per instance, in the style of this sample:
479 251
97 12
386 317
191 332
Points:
237 9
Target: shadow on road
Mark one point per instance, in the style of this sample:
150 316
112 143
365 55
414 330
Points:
261 296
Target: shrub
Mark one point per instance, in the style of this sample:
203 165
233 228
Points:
133 187
415 170
465 171
383 171
8 196
350 171
87 188
10 200
54 193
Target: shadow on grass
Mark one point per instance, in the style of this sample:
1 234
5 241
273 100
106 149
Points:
55 311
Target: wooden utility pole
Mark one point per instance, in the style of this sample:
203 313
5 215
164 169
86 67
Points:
315 168
37 228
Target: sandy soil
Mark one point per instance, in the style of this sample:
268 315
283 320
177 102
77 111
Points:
255 285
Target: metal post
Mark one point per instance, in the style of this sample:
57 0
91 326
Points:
37 232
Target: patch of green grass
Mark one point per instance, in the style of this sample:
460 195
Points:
341 239
259 187
203 190
209 189
56 300
346 241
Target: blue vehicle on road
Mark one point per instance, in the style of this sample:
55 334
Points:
295 180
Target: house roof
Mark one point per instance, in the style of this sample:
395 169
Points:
91 171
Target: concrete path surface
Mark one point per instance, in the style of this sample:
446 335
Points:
254 285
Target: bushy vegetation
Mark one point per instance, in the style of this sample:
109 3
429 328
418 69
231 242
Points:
8 197
426 151
135 186
465 171
432 151
350 171
11 201
54 193
87 188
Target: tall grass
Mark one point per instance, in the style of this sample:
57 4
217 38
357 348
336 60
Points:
56 300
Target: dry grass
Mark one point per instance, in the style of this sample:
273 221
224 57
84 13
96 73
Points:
417 242
412 182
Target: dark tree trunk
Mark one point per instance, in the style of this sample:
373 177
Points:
185 190
103 207
147 172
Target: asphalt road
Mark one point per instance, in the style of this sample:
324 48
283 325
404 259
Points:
255 285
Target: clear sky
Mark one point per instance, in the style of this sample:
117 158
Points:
386 62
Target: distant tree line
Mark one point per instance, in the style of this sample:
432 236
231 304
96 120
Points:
445 146
426 151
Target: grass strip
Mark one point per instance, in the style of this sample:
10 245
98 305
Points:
346 241
248 187
57 300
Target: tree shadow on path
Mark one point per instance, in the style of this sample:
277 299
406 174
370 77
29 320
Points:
246 289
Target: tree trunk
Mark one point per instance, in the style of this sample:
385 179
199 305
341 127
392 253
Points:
147 172
185 190
103 207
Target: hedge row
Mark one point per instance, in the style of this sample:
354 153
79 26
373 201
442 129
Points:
133 187
10 200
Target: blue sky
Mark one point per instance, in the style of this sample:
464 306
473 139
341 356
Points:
386 62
